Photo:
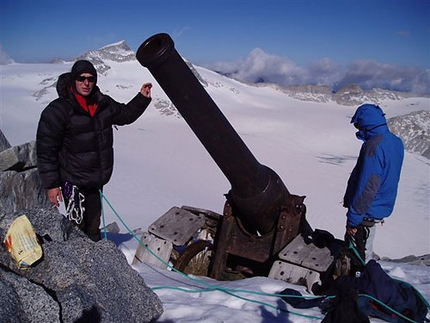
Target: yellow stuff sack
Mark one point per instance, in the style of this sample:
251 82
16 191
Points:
22 243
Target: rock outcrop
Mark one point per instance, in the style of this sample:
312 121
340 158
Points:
414 129
77 280
20 185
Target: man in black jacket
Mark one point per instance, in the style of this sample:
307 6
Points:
75 143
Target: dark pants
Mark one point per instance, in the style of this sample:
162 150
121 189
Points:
90 224
359 240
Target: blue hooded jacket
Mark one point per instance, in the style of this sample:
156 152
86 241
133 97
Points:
372 186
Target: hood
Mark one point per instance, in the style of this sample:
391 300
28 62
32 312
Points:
368 116
370 120
63 83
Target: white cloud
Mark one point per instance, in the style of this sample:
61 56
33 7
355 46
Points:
4 57
370 74
262 67
178 33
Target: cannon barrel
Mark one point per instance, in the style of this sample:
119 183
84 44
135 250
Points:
257 193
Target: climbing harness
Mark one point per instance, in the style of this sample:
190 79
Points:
75 209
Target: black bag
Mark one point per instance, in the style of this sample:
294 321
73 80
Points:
344 308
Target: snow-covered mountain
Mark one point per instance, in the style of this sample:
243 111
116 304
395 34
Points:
117 52
413 129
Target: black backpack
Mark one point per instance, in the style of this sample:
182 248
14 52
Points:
344 307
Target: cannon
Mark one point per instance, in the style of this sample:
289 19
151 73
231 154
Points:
260 216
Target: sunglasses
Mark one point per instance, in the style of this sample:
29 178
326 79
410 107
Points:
81 78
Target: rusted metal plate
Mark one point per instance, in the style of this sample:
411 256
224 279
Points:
160 247
294 274
177 225
307 255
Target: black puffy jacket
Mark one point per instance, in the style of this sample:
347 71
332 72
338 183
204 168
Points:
72 146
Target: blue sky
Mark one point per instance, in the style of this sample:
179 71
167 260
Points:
216 33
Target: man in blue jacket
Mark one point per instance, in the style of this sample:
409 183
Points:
372 186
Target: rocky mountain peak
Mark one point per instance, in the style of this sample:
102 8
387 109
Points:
117 52
414 129
350 89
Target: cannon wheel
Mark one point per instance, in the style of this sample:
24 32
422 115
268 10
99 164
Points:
196 258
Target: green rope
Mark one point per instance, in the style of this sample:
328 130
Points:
103 215
231 291
351 246
211 288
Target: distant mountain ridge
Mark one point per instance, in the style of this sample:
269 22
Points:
350 95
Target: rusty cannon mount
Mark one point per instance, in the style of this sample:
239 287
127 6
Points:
260 217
